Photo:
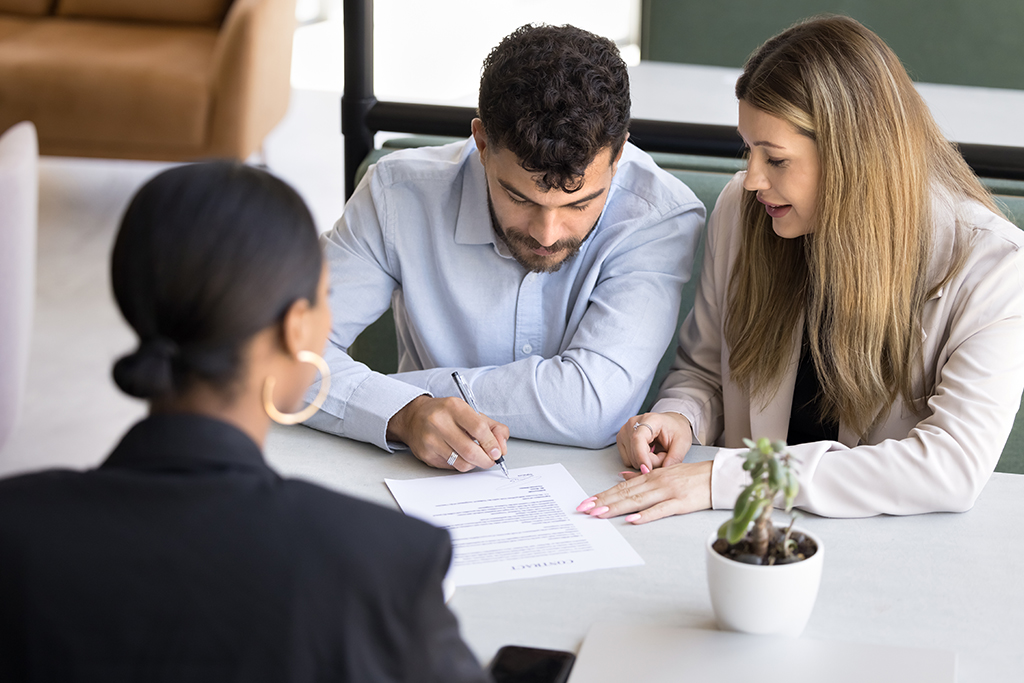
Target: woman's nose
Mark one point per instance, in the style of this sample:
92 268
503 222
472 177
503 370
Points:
755 179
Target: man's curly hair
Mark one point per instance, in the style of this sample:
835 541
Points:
555 96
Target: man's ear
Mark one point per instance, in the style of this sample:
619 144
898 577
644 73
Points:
615 161
295 327
480 137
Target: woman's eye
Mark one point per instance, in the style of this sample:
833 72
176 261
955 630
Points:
768 160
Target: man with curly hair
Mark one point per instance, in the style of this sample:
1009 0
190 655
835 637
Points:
542 259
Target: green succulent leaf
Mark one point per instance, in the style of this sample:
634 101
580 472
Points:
792 488
757 469
738 525
750 444
725 530
743 500
760 505
776 478
735 531
764 445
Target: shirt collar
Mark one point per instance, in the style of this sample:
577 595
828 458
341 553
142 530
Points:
186 443
473 225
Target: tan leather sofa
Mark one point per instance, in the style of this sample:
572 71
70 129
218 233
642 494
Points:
171 80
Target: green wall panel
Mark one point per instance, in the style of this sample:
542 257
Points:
977 43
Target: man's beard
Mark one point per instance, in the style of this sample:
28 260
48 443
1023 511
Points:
522 245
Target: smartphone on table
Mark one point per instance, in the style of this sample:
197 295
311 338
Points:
515 664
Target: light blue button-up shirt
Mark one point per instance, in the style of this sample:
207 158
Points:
563 357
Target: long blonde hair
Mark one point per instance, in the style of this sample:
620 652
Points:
860 278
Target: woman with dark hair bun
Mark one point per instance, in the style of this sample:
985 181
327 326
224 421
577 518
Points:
184 556
209 257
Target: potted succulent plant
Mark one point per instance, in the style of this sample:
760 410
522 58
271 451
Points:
764 578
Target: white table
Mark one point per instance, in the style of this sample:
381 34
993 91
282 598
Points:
945 581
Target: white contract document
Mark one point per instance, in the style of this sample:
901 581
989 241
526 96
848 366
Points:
515 529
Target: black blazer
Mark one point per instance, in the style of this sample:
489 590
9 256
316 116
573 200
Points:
185 557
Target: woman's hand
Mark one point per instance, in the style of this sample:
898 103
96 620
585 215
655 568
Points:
672 490
654 440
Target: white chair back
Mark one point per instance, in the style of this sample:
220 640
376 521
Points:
19 208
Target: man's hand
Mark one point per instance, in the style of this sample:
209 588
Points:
434 428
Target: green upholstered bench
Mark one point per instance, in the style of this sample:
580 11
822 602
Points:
706 176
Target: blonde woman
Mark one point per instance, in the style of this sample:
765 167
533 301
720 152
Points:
861 297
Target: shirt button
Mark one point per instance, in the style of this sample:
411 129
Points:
527 349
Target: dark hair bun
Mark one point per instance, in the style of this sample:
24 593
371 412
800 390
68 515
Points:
149 371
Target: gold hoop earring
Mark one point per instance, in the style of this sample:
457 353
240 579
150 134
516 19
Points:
310 410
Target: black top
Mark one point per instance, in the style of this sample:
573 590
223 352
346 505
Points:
805 421
185 557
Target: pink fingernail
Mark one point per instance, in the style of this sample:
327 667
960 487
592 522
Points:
495 453
644 469
625 472
598 511
586 505
633 517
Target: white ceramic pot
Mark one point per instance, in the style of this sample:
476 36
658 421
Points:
774 600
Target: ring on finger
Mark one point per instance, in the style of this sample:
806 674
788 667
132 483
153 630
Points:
452 458
638 425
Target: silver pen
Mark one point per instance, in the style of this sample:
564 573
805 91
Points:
467 396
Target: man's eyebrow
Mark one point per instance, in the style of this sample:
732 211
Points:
509 188
582 200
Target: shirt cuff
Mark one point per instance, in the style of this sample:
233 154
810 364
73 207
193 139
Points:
368 410
728 478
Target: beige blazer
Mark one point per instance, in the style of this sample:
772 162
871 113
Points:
938 459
